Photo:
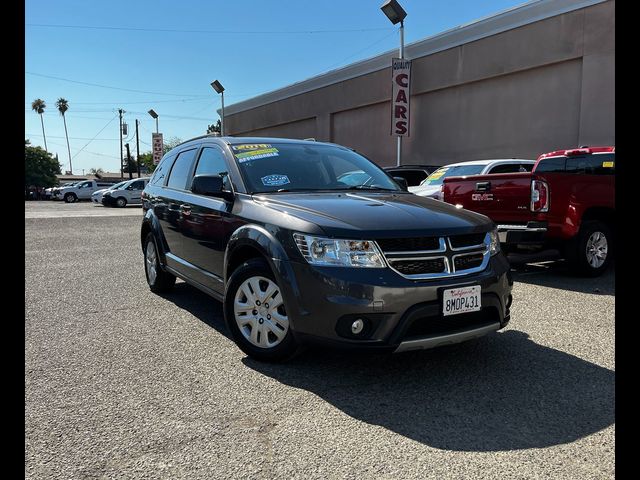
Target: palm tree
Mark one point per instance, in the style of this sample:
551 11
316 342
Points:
38 106
63 105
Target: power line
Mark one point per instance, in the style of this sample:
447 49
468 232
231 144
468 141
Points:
70 138
101 130
173 30
113 88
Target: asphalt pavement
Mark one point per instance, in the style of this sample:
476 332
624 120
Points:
123 383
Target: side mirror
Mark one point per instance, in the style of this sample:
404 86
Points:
209 185
402 182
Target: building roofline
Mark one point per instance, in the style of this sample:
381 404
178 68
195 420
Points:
520 15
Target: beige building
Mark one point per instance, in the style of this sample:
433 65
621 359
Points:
529 80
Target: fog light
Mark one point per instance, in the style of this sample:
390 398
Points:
357 327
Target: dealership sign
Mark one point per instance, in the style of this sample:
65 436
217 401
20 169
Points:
156 143
401 77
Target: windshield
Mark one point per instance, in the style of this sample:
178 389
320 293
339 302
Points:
118 186
290 167
437 177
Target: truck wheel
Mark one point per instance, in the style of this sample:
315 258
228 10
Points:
159 281
121 202
590 253
70 198
255 313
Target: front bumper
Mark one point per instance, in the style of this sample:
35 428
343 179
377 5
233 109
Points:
399 314
108 201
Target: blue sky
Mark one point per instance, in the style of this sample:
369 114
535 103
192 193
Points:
251 46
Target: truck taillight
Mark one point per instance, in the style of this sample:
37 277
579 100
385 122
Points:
539 196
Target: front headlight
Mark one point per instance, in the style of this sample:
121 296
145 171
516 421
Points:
339 253
494 245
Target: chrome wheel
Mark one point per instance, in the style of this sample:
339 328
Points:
259 312
597 248
151 262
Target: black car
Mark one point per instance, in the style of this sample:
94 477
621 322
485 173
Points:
413 174
298 256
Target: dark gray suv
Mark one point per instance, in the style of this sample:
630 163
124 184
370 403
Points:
298 256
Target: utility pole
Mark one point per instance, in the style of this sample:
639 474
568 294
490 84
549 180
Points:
137 149
129 162
121 111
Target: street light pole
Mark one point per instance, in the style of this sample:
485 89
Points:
121 111
396 14
217 86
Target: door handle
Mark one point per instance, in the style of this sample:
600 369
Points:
483 186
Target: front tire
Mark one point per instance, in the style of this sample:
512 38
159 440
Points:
256 315
590 253
121 202
70 198
159 281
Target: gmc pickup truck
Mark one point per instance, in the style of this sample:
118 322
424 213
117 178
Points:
566 203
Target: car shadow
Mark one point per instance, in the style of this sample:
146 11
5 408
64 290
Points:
503 392
557 274
497 393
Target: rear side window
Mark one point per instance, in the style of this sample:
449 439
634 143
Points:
551 165
506 168
594 164
180 170
212 162
161 172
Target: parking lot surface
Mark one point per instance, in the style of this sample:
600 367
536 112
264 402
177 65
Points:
123 383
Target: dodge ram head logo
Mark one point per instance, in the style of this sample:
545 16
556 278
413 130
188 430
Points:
482 196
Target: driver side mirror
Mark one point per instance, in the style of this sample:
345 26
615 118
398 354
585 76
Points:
402 182
210 185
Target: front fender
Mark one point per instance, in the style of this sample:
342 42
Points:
272 250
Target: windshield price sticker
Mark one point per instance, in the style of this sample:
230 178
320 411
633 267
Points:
275 180
250 146
256 154
461 300
607 164
437 174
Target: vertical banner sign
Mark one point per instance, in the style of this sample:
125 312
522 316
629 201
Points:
401 81
156 143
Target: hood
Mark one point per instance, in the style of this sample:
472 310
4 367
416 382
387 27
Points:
373 214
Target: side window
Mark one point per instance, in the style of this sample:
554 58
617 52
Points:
551 165
180 170
594 164
212 162
163 169
506 168
525 167
139 185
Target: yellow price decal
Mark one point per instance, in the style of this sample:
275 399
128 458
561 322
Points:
607 164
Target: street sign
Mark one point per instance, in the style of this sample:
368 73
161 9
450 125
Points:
401 81
157 146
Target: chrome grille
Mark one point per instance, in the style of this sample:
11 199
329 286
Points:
424 258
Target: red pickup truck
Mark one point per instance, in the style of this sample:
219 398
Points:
566 203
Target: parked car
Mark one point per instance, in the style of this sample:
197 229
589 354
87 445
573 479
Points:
96 197
48 192
567 203
129 193
79 191
298 257
413 174
432 185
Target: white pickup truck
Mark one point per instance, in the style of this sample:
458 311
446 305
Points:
79 191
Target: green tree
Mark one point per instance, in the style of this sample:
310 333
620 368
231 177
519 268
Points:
146 158
214 128
63 105
96 171
38 106
40 168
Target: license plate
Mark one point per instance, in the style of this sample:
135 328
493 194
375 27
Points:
461 300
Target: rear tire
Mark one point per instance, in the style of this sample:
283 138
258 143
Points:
159 281
70 198
261 330
590 253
